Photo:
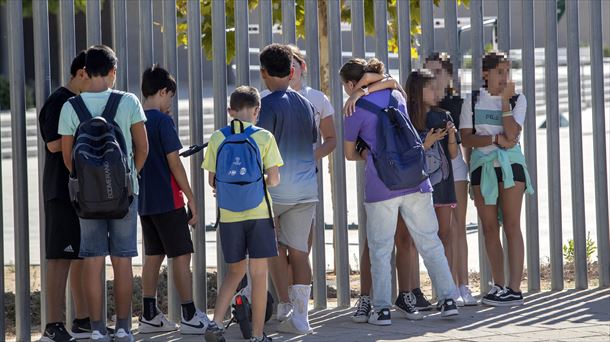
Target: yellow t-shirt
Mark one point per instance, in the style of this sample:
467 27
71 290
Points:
271 157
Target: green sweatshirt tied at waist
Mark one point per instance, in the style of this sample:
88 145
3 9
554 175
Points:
489 181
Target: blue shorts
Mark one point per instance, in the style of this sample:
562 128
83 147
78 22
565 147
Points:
116 238
253 237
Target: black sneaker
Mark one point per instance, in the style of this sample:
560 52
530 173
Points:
363 310
403 305
492 297
264 339
381 317
419 300
214 333
81 329
56 332
508 297
449 308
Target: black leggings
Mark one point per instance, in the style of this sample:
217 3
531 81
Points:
518 174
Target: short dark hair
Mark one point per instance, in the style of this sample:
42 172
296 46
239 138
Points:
244 97
444 59
276 59
78 63
155 79
100 60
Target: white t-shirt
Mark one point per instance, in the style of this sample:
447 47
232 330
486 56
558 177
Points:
317 98
488 115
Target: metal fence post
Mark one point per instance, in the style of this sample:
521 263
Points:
339 200
196 136
576 159
451 39
359 51
289 35
599 146
531 202
265 27
146 38
242 42
219 83
313 74
67 38
20 177
40 18
404 39
552 124
94 23
119 41
427 28
170 61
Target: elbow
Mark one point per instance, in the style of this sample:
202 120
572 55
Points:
273 181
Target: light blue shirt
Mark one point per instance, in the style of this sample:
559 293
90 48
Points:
128 113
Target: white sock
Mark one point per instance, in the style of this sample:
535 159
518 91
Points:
300 300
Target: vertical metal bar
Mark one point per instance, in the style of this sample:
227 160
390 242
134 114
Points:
170 61
599 146
552 137
67 38
340 200
94 23
242 42
359 51
576 159
20 180
451 38
196 135
265 27
476 21
119 41
289 33
427 27
531 202
40 18
146 37
313 74
219 83
404 39
381 31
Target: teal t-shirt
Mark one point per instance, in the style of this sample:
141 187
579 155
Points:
128 113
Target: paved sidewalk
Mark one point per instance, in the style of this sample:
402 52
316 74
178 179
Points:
551 316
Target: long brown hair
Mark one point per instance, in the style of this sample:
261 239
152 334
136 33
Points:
416 83
355 68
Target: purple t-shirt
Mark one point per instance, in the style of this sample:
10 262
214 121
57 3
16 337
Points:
363 124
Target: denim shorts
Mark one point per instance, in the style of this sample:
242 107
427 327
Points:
116 238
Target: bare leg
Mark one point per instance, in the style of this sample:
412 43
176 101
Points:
512 200
150 275
57 275
92 283
78 292
491 231
235 274
301 268
406 258
182 277
459 228
366 281
445 233
258 274
123 286
279 267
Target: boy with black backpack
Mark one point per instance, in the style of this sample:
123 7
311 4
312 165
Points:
104 146
242 161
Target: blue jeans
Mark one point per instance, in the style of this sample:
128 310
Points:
116 238
417 210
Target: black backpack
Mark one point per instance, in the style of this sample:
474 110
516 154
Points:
399 155
475 97
100 182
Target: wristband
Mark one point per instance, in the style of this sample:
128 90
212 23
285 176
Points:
365 90
505 114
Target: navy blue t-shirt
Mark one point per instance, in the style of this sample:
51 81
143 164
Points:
159 192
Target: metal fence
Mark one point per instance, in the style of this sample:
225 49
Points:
334 48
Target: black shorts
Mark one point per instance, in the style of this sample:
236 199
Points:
167 234
253 237
518 174
62 230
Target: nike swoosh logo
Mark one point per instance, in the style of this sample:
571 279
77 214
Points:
199 326
51 336
152 324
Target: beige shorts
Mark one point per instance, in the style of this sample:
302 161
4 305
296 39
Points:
294 224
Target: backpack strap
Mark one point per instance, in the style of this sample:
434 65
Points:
369 106
473 102
112 105
80 108
232 124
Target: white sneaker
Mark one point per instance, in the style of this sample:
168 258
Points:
381 317
122 336
284 311
459 301
196 326
467 297
159 323
98 337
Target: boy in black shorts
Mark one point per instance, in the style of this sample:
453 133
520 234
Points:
62 228
165 223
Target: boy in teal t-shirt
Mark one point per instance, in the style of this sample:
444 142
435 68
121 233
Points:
251 231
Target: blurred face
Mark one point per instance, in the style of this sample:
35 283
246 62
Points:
348 87
298 70
497 78
165 100
429 94
442 78
82 80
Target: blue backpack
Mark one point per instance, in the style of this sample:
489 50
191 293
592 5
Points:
399 154
240 181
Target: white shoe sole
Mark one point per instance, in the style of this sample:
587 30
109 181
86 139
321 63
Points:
384 322
502 304
288 327
147 329
81 336
474 303
413 317
450 313
360 319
